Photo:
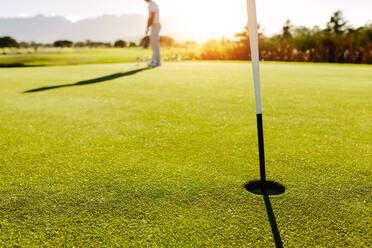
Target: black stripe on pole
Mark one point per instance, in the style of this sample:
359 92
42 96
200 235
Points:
261 148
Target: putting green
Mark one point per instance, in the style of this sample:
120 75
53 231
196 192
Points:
109 155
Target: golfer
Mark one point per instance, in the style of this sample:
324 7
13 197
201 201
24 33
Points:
154 24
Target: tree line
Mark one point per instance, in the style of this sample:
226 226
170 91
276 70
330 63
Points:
337 43
9 42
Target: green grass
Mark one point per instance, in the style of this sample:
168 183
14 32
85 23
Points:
159 158
67 56
77 56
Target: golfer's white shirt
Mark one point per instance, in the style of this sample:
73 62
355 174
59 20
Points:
153 7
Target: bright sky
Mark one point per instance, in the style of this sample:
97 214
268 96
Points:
206 18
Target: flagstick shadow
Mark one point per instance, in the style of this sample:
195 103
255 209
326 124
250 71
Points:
90 81
272 219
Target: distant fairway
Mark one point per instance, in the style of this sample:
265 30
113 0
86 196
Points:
108 155
78 56
71 56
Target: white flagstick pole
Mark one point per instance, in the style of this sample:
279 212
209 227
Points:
253 35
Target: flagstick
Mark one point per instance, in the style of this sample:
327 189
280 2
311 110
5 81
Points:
253 35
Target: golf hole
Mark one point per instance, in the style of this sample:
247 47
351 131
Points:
266 188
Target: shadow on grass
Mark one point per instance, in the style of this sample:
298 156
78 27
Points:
90 81
18 65
266 189
272 219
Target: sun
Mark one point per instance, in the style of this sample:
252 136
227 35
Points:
203 20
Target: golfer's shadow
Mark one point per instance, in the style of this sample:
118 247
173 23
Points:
90 81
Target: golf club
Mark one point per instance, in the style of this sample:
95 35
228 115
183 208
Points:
144 45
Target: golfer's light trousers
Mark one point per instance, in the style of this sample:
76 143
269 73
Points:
154 40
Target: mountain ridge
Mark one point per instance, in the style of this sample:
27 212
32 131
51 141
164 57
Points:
105 28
